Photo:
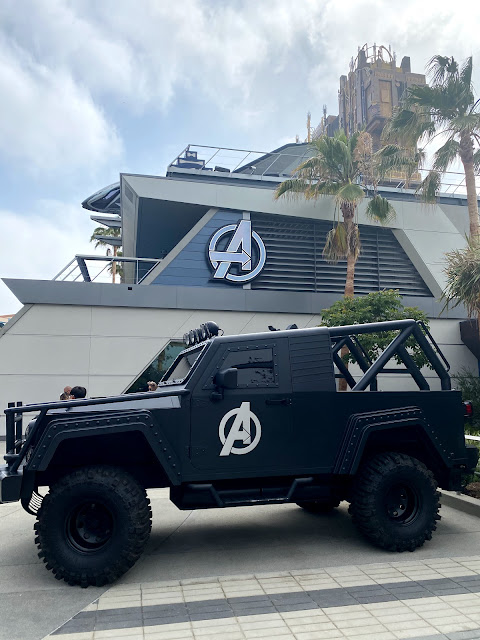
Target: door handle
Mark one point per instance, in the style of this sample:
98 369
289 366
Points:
283 401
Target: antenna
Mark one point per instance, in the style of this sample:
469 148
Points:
309 134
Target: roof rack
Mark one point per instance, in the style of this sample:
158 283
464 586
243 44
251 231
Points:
346 336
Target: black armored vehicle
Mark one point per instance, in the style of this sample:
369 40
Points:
242 420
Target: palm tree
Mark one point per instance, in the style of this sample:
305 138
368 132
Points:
463 278
446 108
340 167
111 232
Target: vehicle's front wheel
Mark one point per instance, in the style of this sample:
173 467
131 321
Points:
93 525
395 502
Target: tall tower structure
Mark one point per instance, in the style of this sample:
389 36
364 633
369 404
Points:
373 87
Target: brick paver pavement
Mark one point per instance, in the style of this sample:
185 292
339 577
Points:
428 599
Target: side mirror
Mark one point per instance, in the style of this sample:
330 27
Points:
227 378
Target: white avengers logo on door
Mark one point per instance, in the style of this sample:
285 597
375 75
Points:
241 430
243 250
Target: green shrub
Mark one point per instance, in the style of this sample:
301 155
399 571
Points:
469 384
379 306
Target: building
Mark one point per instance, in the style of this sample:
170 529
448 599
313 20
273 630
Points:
371 90
367 96
209 242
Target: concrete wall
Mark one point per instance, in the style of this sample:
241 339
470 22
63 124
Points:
106 348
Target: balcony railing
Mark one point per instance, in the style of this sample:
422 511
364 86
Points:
84 268
266 165
261 164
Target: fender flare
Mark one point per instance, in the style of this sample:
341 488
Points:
361 426
71 427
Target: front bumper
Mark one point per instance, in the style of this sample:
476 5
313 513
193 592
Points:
10 485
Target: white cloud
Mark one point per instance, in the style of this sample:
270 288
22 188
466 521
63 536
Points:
254 60
41 245
68 69
50 125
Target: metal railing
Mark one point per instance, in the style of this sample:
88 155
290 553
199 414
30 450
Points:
228 160
346 336
91 268
225 160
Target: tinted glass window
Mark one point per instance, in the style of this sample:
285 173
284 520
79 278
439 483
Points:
182 366
158 367
255 367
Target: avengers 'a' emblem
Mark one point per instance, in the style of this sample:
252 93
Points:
245 251
241 431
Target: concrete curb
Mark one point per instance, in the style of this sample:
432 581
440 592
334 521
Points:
461 502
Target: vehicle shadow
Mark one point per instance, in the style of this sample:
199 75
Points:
245 540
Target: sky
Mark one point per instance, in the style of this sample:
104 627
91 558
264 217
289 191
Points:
90 89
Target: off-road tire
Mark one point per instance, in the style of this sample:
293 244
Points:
103 499
319 506
396 527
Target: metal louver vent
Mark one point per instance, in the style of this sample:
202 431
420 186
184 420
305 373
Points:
295 262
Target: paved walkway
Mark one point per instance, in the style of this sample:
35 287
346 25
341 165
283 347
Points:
431 599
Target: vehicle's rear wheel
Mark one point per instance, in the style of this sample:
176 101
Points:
93 525
395 502
319 506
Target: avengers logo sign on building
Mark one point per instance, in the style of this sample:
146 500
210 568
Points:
236 253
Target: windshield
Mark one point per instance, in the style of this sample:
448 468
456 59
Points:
182 366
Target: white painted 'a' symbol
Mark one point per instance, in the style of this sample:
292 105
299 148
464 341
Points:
241 429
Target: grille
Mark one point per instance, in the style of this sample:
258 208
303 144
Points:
295 262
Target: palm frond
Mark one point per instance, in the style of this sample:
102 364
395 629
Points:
466 72
324 188
380 210
350 193
429 187
407 126
353 240
463 277
441 68
293 187
444 156
395 157
336 244
112 232
468 123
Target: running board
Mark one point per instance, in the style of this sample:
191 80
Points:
207 495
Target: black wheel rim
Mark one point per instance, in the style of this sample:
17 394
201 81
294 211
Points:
403 504
89 527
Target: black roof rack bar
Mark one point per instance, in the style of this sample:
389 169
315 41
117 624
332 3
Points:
384 357
341 335
412 368
437 348
342 367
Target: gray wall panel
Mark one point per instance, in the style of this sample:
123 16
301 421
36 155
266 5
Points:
190 267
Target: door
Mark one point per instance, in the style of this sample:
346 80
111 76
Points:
246 429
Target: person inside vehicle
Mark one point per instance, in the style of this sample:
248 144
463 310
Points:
77 393
152 386
66 393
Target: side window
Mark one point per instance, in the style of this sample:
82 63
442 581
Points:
256 367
